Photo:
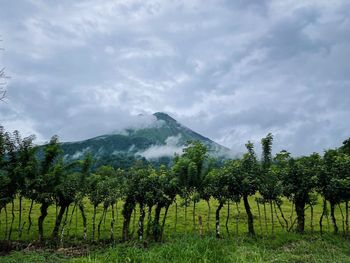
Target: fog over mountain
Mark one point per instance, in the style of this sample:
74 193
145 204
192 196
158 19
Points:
157 140
231 70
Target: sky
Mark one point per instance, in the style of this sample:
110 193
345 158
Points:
231 70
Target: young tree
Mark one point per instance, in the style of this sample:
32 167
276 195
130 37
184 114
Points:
65 194
6 189
165 195
98 193
25 171
247 182
43 185
280 170
86 165
334 181
190 169
299 183
268 178
218 183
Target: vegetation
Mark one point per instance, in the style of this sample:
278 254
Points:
39 183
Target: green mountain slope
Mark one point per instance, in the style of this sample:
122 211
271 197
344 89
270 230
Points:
161 139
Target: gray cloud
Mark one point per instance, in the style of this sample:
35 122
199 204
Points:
231 70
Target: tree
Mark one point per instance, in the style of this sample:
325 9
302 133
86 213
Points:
334 181
270 186
190 169
345 148
167 184
99 192
25 171
65 193
45 181
86 165
299 183
244 182
9 176
219 182
6 189
247 183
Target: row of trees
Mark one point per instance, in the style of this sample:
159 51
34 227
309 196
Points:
41 175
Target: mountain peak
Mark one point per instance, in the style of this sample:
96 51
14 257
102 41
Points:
165 117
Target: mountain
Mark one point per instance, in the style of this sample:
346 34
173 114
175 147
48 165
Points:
156 140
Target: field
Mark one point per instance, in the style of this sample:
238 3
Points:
184 244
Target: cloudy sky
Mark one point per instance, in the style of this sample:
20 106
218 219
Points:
231 70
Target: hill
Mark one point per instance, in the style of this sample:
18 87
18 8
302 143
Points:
155 140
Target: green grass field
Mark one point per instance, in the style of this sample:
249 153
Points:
185 244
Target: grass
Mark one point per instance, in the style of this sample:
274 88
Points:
192 248
185 245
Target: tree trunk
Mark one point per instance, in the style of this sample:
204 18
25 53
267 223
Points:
104 218
227 218
62 210
249 215
200 223
29 217
291 214
64 225
112 222
141 221
237 217
175 217
58 221
82 211
282 215
194 215
43 211
343 219
93 223
116 213
347 217
208 220
20 217
149 220
312 218
164 218
334 222
300 211
186 218
127 212
272 220
322 215
6 221
217 219
277 216
265 219
12 218
100 222
133 222
259 214
0 215
71 218
156 225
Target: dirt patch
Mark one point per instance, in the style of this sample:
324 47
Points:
77 251
7 247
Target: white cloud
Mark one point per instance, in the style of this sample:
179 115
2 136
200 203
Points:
169 149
